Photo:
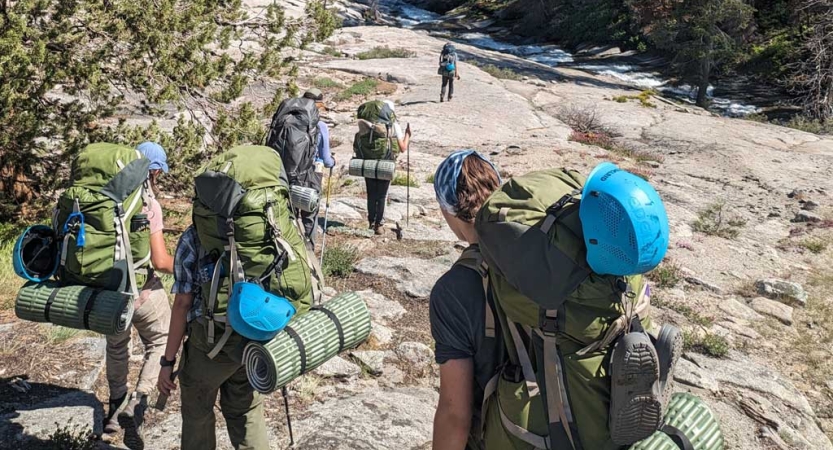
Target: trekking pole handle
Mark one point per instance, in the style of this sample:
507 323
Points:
162 399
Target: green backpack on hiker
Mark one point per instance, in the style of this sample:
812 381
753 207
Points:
376 138
559 319
104 237
247 231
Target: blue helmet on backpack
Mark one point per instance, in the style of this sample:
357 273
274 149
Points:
624 222
257 314
35 254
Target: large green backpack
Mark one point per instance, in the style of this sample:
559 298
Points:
559 318
247 231
376 138
104 237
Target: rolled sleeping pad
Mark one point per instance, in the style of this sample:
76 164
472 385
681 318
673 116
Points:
304 198
689 424
380 169
307 342
79 307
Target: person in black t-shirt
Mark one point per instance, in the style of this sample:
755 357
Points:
458 305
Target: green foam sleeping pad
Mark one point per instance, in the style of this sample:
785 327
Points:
691 416
307 342
380 169
79 307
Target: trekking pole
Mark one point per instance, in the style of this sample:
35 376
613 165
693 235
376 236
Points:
326 216
408 184
288 418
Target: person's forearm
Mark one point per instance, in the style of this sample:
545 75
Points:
403 143
164 264
451 431
179 323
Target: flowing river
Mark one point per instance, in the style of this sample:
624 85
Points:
409 16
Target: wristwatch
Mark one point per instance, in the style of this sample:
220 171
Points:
165 363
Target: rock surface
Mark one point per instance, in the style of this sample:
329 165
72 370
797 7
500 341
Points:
382 310
338 367
415 353
774 309
33 425
783 291
413 276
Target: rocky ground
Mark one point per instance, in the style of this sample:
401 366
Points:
747 277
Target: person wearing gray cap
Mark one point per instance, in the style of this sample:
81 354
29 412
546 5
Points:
324 156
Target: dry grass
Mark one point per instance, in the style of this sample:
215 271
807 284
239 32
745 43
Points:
9 281
813 245
385 52
667 275
583 119
715 220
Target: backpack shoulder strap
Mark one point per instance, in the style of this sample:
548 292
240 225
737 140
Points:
471 258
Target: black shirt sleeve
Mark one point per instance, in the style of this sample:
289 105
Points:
456 312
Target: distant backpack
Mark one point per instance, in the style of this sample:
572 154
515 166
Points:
104 239
448 61
559 319
376 138
294 134
247 232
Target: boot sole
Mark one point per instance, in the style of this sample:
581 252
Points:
669 348
132 436
635 404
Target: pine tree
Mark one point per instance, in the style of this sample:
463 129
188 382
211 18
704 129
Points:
812 78
70 69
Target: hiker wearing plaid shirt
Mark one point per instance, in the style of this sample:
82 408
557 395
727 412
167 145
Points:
203 377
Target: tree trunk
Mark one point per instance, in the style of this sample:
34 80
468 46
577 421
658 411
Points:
703 86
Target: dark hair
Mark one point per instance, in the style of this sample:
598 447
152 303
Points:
477 181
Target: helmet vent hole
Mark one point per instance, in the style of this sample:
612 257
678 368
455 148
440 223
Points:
594 241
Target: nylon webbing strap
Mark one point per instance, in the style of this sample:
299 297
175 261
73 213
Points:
539 442
336 322
302 352
221 343
89 307
523 360
212 297
678 437
49 302
552 379
488 392
121 231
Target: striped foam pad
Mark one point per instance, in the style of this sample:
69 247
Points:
309 341
380 169
79 307
693 417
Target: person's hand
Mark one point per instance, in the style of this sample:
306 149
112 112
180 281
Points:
165 384
408 130
458 77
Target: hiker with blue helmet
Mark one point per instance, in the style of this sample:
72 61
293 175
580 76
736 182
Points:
466 351
449 70
151 317
560 258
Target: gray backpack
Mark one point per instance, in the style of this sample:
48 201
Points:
294 135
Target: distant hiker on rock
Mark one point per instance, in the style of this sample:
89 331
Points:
151 317
322 157
449 70
380 137
242 270
467 349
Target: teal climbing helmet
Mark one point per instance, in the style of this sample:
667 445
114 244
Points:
257 314
35 254
624 222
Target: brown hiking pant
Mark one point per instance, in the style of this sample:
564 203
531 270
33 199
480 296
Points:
151 319
201 379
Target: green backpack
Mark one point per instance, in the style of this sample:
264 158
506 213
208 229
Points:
376 138
247 231
104 237
559 318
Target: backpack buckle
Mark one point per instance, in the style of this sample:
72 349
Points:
548 322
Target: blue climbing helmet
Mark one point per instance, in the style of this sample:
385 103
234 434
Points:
624 222
35 254
257 314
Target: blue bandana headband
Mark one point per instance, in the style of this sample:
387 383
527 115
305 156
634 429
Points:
447 174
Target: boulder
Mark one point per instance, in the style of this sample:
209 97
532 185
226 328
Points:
374 360
382 309
29 426
774 309
735 308
380 334
783 291
807 217
376 419
415 353
337 367
413 276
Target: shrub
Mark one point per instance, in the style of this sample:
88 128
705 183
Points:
361 88
404 180
332 51
430 179
757 117
385 52
326 83
815 246
814 126
502 73
339 260
667 275
715 220
708 344
644 98
583 119
72 437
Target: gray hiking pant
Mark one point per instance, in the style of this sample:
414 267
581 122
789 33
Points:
448 81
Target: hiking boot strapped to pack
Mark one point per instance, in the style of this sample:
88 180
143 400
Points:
562 311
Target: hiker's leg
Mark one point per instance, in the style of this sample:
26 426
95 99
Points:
450 86
370 184
445 83
118 360
151 321
200 380
382 191
309 219
242 408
